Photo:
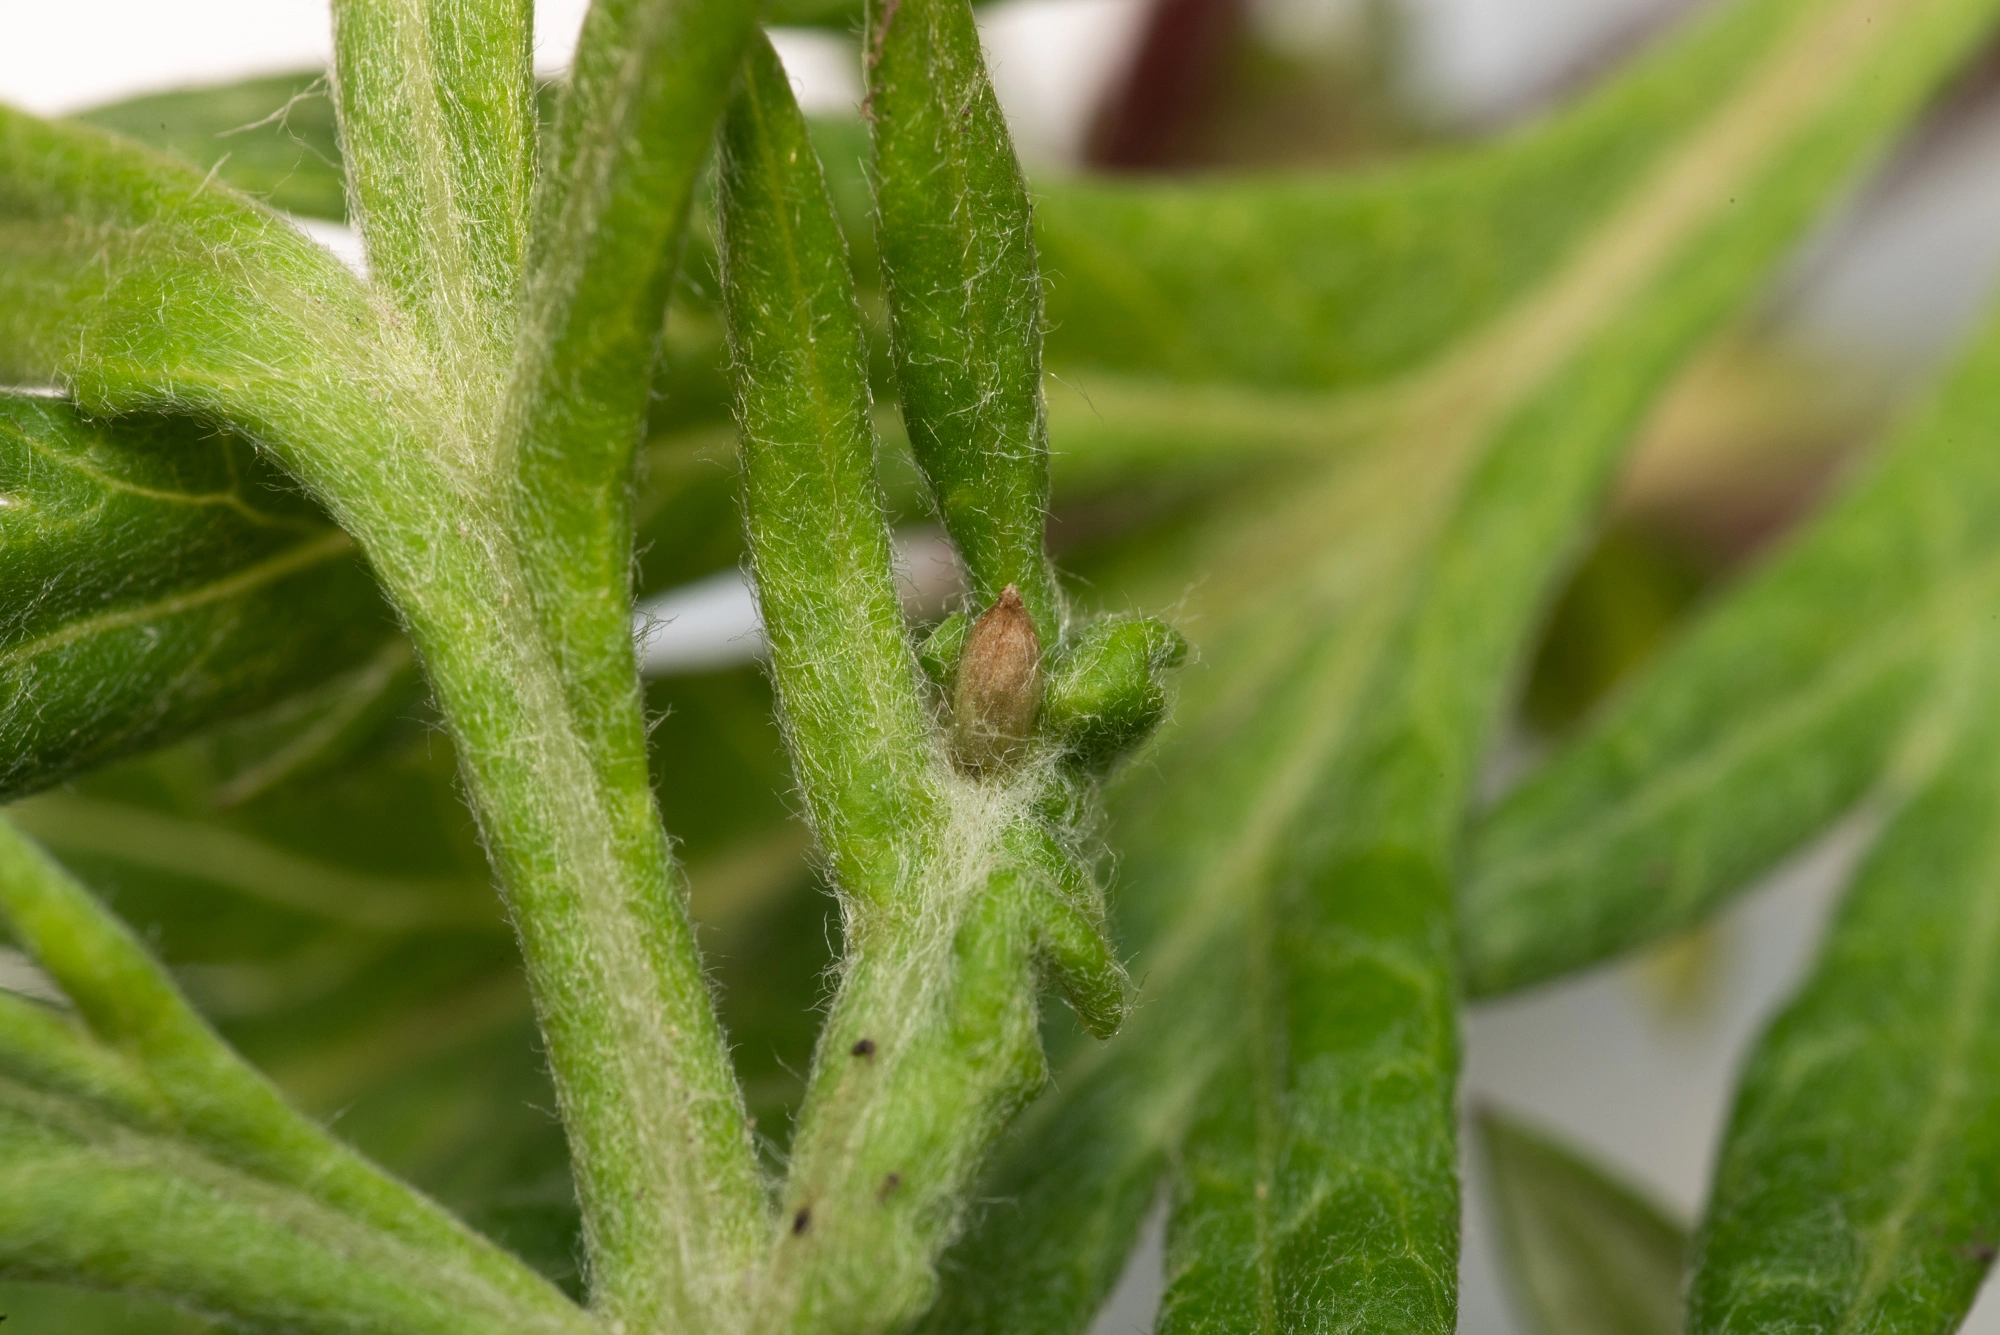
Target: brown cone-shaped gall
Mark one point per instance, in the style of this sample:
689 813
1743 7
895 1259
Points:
999 690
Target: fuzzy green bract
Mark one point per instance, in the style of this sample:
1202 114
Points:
318 633
1722 760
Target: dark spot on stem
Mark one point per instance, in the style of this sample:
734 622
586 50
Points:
889 1185
802 1220
863 1048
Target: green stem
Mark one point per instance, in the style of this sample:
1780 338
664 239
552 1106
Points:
437 128
633 131
954 890
665 1169
932 1048
932 1044
245 320
521 609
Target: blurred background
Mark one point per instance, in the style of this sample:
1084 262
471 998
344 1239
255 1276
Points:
1633 1062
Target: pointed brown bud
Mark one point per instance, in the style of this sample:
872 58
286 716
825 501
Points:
999 689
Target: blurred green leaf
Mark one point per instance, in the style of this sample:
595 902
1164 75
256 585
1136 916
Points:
142 1153
1791 698
1858 1187
1286 856
273 137
1586 1254
87 1196
82 1312
158 576
1343 279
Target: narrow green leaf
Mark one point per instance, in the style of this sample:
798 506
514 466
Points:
1359 1013
1791 698
1859 1182
965 296
158 576
437 124
1320 279
196 1089
1300 846
847 679
1586 1254
87 1199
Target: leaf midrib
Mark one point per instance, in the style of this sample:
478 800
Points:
330 546
1968 1005
1896 637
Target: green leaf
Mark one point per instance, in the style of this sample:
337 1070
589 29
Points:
159 576
338 924
143 1092
1242 281
1289 871
90 1199
1586 1254
274 138
139 283
437 127
1859 1181
965 296
1790 700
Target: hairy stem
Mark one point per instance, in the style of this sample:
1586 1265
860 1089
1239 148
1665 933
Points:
949 898
665 1170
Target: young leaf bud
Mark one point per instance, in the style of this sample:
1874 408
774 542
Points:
999 690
